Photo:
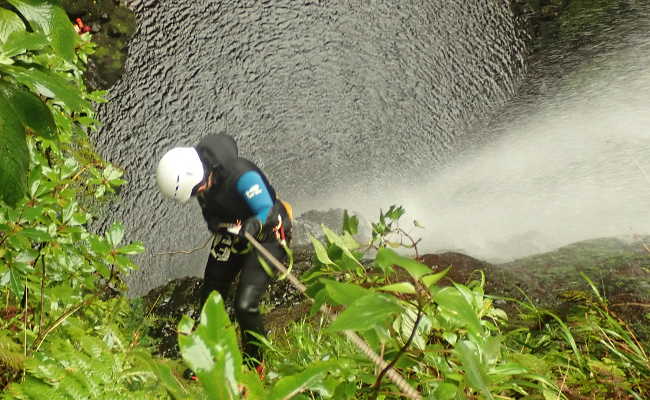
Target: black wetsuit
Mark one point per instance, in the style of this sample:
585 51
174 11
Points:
240 191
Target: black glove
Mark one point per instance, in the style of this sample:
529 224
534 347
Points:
252 226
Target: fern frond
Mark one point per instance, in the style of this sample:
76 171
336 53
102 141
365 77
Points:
93 346
11 353
74 385
45 371
34 389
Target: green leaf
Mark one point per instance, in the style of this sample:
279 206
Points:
215 321
14 154
50 85
22 41
185 325
212 351
99 246
386 258
400 287
344 293
395 212
115 234
197 355
254 388
350 223
16 278
111 173
51 19
36 235
345 241
130 249
430 280
366 312
474 370
446 391
320 298
68 211
509 369
321 253
168 380
311 378
9 23
454 306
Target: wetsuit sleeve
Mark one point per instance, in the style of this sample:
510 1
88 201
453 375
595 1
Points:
253 190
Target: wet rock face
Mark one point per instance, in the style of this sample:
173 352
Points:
327 97
570 23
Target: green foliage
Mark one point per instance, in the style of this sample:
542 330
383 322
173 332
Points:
50 19
41 92
449 337
211 351
595 352
90 357
11 353
450 341
65 334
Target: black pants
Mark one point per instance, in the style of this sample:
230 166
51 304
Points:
220 272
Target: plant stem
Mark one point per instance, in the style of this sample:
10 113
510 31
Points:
42 335
40 322
399 354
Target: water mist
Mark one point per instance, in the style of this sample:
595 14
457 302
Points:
570 167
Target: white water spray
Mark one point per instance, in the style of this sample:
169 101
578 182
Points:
574 167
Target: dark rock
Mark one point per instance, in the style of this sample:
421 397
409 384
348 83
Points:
464 268
168 304
113 25
618 267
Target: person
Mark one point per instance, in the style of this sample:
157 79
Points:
235 197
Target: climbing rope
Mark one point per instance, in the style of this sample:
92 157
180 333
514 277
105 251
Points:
401 383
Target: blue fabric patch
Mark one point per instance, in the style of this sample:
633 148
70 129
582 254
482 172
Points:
252 188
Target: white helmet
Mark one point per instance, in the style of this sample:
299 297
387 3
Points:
179 171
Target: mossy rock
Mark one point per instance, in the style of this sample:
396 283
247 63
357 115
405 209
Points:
619 269
122 22
568 22
557 281
113 26
167 304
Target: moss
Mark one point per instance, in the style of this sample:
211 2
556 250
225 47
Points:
122 23
113 26
569 23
